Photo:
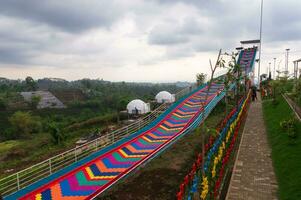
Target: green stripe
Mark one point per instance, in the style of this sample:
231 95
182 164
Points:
82 180
119 158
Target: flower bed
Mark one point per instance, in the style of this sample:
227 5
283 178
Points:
218 151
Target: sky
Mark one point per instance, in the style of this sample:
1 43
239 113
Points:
139 40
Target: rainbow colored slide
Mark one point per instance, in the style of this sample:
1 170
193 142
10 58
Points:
91 176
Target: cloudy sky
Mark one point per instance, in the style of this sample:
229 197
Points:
138 40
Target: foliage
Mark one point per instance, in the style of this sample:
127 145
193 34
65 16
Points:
30 83
3 104
285 156
200 78
289 126
23 124
35 100
58 136
105 119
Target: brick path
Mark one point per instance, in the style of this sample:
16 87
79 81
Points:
253 176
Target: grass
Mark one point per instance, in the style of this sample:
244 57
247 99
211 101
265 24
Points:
7 145
286 154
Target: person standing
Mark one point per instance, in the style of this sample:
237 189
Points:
254 93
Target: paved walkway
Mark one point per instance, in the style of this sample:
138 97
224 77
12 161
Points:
253 176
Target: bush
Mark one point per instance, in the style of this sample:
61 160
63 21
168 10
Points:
35 100
58 136
23 123
3 104
289 126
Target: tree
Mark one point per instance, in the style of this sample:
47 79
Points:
30 83
24 123
219 63
3 104
35 100
200 78
56 133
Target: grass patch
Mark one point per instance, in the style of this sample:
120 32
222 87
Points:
7 145
285 153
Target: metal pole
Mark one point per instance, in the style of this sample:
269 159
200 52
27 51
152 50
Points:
260 37
274 75
286 63
75 155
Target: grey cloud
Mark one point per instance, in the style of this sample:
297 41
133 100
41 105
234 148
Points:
67 15
14 56
44 27
282 21
173 32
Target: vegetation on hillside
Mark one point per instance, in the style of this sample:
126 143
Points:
29 135
286 146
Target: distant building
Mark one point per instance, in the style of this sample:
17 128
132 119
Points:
165 97
138 106
48 100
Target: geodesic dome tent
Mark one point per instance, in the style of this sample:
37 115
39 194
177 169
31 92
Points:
138 106
165 97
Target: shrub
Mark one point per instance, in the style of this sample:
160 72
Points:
289 126
35 100
23 123
3 104
57 135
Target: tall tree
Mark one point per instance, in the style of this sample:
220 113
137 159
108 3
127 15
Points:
30 83
200 78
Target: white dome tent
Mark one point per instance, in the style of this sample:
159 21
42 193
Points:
138 106
165 97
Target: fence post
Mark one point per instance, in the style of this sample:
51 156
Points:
75 155
50 170
113 135
18 181
96 144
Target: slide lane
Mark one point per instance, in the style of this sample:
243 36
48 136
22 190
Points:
92 178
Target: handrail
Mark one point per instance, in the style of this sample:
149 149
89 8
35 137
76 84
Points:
36 172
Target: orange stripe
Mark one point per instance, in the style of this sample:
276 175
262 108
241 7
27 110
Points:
103 168
132 149
155 136
56 193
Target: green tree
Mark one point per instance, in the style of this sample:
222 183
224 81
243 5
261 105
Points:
56 133
35 100
23 123
200 78
30 83
3 104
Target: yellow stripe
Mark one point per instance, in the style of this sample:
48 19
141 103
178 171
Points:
39 196
155 141
170 129
91 175
130 156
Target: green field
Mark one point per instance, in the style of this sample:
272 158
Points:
286 152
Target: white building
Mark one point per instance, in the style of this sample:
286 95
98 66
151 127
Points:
165 97
138 106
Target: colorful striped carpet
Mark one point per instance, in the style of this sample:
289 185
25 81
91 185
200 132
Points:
247 58
92 178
